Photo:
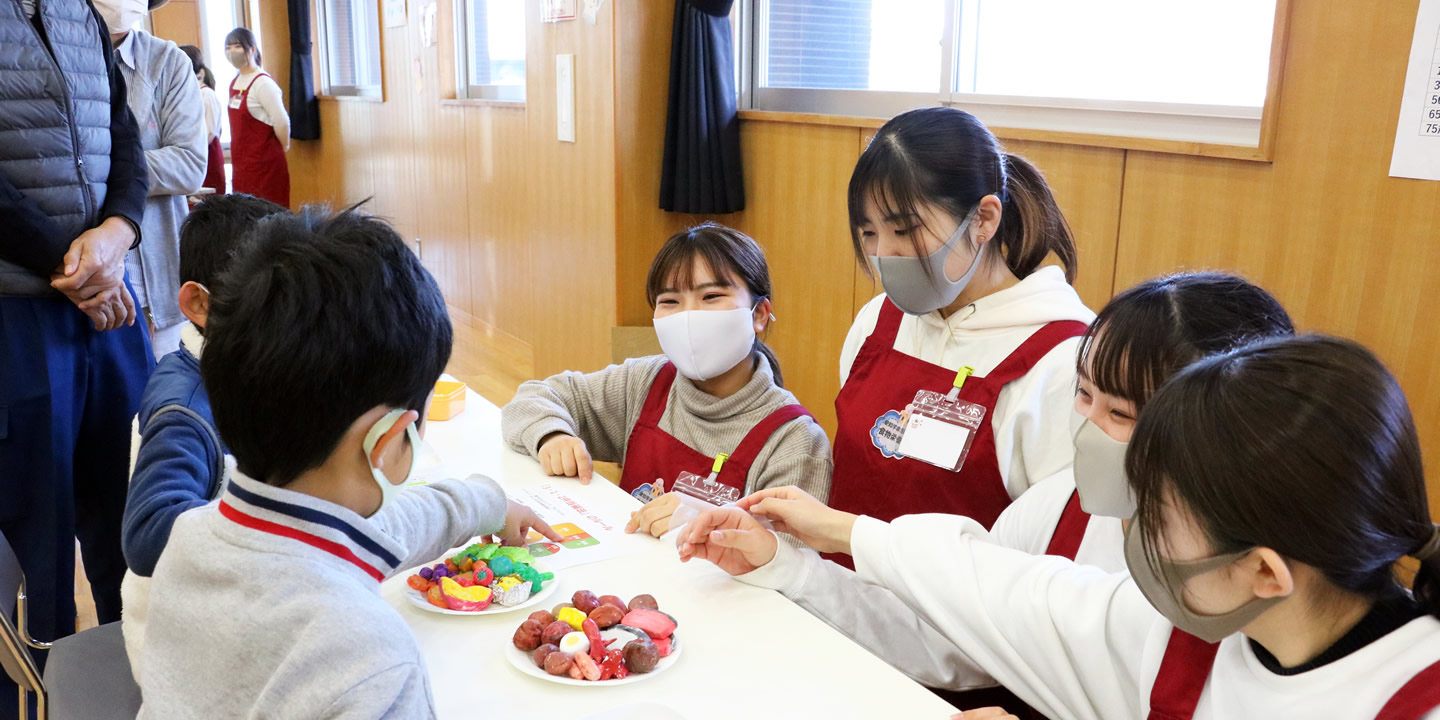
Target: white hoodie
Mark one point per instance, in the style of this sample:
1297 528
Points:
1073 642
1031 421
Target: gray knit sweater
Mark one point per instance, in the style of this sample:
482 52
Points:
267 603
602 407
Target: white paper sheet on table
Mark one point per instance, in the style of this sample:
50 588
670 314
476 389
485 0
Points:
589 537
1417 135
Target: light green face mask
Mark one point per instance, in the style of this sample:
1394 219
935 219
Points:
1164 587
377 431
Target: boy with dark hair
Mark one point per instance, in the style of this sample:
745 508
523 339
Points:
180 461
320 366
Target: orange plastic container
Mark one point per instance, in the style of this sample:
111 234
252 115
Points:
447 402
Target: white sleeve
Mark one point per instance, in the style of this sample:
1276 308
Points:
265 94
1071 641
1032 420
859 332
430 519
1028 524
212 114
870 615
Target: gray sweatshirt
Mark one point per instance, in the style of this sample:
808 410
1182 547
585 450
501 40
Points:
266 604
165 100
602 407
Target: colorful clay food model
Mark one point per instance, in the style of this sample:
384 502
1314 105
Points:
479 575
567 641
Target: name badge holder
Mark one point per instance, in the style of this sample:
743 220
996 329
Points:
939 429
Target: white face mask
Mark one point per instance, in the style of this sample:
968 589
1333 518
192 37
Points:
704 344
122 15
237 57
388 489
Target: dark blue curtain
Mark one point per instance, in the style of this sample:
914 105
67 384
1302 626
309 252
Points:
304 108
701 170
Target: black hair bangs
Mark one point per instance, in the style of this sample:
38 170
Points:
674 266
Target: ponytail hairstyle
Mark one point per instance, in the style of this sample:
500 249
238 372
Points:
246 40
1149 332
731 256
197 65
946 158
1304 445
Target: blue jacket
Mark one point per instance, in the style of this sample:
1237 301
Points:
181 463
70 152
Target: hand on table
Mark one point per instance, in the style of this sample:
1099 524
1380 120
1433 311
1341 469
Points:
795 511
564 455
654 518
730 538
989 713
93 274
518 523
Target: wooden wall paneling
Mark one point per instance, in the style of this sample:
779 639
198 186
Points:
866 287
178 22
1087 183
440 184
572 195
357 144
800 220
1348 249
501 273
642 86
395 149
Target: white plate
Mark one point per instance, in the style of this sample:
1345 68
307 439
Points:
525 662
417 598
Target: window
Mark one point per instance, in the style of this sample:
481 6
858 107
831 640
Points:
349 33
490 48
1193 70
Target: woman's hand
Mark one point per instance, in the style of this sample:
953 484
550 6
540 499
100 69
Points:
564 455
989 713
654 518
795 511
729 538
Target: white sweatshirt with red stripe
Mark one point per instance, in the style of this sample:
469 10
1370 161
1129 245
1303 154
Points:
266 604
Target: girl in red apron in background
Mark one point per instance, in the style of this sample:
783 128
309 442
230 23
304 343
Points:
1141 337
956 229
215 160
717 390
1276 487
259 124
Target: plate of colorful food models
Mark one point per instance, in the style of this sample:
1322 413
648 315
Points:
596 641
482 579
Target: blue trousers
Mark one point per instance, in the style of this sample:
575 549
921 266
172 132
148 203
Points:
67 395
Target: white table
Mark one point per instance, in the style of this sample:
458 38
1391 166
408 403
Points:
748 652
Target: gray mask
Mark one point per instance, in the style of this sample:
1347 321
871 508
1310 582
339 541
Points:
917 292
1164 587
1100 473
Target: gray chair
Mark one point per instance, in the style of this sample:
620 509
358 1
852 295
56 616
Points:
87 675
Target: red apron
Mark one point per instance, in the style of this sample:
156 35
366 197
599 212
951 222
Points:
652 453
258 160
1188 661
883 379
1070 530
215 167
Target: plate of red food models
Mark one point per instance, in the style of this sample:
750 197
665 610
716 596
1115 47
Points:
596 641
482 579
